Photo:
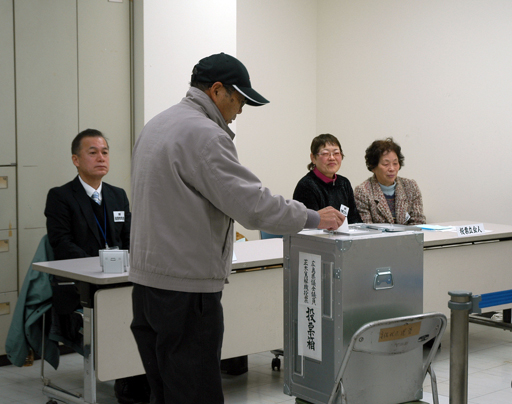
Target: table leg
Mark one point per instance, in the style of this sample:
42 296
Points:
89 365
507 316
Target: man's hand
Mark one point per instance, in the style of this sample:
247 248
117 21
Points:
330 218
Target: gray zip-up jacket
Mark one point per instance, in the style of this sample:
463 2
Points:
187 187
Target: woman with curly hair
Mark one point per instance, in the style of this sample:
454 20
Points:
385 197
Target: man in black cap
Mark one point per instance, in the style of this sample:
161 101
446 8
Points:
187 189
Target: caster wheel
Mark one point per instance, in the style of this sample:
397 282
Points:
276 364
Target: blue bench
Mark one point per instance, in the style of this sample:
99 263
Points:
491 300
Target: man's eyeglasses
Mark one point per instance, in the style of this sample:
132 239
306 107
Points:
242 101
230 90
326 154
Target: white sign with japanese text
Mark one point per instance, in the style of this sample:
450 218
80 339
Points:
310 306
470 230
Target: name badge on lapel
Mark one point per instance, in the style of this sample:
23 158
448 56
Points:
118 215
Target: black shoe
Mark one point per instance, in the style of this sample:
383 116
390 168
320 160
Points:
234 366
132 390
143 391
122 391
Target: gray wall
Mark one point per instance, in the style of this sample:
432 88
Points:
435 75
278 40
72 73
65 67
8 222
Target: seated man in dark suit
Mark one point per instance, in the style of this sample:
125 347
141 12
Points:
87 215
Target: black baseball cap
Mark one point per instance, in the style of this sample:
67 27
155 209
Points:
228 70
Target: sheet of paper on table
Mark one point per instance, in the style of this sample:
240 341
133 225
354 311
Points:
435 227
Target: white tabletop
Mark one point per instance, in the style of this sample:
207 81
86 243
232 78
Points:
249 254
260 253
493 231
81 269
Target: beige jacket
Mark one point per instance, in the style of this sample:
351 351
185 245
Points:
373 207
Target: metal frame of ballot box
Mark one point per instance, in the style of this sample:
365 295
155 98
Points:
333 285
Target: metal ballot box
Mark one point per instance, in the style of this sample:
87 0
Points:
334 284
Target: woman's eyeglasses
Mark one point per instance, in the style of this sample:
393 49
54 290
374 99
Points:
326 154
